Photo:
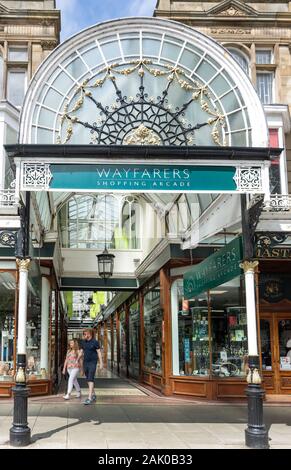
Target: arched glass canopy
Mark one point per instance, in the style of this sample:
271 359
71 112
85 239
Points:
143 81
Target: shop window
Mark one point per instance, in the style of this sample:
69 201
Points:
108 343
284 331
115 352
153 331
134 325
229 330
265 334
122 340
199 350
7 332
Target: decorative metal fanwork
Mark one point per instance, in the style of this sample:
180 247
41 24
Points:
270 239
143 119
7 196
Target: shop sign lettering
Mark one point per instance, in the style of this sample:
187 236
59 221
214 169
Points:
215 270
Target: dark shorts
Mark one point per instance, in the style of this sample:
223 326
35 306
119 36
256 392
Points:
89 370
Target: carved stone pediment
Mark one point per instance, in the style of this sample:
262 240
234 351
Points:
231 9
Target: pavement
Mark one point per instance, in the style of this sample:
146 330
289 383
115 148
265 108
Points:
130 416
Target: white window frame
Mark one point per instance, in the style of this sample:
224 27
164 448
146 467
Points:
243 54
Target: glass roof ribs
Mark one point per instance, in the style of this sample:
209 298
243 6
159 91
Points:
146 82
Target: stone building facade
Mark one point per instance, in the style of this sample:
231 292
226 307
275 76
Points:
258 34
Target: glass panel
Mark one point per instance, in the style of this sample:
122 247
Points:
122 340
190 328
134 325
7 333
205 71
189 60
130 47
238 139
111 50
92 57
153 331
63 83
17 54
108 343
170 51
284 330
16 86
76 68
33 332
265 333
115 341
229 330
236 121
151 47
219 85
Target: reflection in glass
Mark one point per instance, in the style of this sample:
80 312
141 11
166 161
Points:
122 340
284 330
153 331
265 333
134 325
229 330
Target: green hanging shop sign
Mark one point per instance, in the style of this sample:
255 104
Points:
215 270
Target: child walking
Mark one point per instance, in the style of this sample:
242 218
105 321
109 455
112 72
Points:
73 366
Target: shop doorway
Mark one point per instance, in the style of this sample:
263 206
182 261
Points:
275 332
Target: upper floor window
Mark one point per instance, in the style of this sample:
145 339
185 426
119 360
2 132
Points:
265 87
240 58
17 66
264 56
16 85
17 54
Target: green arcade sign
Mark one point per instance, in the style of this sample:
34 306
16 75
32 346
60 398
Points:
149 177
142 177
215 270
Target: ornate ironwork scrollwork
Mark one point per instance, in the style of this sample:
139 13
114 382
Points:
270 239
142 119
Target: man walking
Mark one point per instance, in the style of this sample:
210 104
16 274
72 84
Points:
91 351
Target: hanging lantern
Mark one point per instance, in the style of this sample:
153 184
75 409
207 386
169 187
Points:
105 264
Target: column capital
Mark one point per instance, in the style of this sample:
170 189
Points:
23 264
249 266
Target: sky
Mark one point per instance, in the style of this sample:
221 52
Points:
79 14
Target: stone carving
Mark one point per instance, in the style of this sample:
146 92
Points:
232 11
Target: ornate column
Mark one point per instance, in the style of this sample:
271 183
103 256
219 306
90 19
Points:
20 432
256 434
44 344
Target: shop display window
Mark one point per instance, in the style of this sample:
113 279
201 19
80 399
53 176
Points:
134 325
209 331
229 329
7 305
122 340
115 352
108 342
33 335
284 331
266 350
153 318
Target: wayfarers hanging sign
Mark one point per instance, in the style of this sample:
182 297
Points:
140 177
215 270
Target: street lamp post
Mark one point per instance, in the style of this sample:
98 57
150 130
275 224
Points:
20 432
256 434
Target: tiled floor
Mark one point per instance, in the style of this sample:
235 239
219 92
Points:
126 416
